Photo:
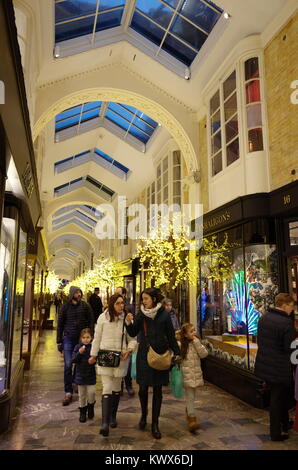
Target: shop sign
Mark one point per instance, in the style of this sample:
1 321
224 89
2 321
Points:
284 200
217 220
28 180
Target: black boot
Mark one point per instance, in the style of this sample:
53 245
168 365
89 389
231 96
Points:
83 412
106 410
143 395
90 410
156 405
114 408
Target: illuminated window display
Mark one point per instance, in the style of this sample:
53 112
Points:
6 280
19 299
238 284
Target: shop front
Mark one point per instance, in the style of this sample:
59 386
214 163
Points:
249 254
20 210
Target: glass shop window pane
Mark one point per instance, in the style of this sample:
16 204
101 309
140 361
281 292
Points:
74 29
229 85
217 164
159 171
156 11
293 229
215 122
253 93
254 115
165 193
216 142
255 140
232 152
19 299
230 106
7 248
177 157
188 33
177 173
177 189
232 128
165 177
158 184
214 103
252 68
165 164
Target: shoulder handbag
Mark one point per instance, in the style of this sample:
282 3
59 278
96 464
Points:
110 358
155 360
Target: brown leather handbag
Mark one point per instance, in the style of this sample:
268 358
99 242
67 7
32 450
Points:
155 360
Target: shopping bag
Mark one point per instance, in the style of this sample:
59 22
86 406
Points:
176 381
133 372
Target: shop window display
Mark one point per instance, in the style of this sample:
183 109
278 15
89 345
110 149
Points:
6 279
19 299
231 303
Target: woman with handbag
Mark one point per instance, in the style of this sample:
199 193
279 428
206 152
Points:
156 337
111 347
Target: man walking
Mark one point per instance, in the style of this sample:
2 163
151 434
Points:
276 332
96 304
73 317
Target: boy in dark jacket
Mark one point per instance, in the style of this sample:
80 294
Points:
276 332
85 376
73 317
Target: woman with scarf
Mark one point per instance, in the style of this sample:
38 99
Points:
154 327
110 335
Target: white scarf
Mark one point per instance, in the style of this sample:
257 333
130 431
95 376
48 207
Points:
150 312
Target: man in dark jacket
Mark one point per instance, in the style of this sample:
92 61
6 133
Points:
73 317
96 304
276 332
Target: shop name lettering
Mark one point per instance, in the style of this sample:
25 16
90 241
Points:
294 95
217 220
2 92
287 199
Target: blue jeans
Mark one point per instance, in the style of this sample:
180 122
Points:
68 347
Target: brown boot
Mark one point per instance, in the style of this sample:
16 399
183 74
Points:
67 399
192 423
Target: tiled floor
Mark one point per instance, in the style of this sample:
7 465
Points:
225 422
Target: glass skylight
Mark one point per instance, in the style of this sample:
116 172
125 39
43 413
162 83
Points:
129 120
89 182
97 156
77 115
75 18
175 27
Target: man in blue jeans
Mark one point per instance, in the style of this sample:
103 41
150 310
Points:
73 317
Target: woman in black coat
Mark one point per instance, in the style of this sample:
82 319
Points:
161 337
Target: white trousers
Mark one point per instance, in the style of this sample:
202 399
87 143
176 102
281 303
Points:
86 394
110 384
190 396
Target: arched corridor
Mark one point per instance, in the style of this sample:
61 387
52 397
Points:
148 216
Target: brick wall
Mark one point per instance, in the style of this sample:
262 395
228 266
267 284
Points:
281 69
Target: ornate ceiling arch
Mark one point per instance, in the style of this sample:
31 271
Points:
152 108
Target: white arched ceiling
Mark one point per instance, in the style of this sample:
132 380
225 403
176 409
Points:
72 229
179 122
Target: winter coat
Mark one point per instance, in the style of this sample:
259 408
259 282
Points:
72 319
161 336
96 305
276 332
191 365
108 335
84 372
174 319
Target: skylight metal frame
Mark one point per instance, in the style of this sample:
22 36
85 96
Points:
125 32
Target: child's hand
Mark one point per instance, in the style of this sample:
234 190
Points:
82 350
92 360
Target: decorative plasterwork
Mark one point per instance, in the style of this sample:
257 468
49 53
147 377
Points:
117 66
148 106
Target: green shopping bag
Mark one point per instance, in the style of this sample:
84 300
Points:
176 381
133 372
